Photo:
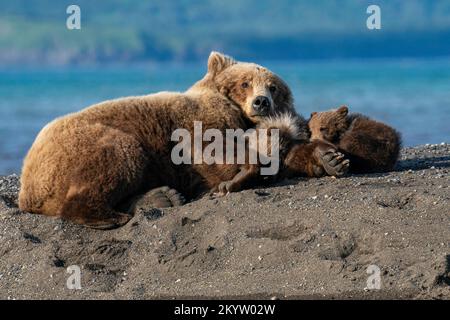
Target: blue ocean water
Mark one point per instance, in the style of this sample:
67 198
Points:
412 96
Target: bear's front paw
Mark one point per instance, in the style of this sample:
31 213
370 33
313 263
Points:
224 188
334 163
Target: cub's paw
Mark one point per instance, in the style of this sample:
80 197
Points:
334 163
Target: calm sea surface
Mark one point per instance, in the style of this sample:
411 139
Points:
412 96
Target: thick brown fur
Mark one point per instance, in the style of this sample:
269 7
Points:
84 165
89 166
298 156
370 145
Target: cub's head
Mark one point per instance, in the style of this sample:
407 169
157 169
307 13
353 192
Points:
255 89
328 125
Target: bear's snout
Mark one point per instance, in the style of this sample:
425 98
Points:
261 105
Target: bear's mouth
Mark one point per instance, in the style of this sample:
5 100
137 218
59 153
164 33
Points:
255 114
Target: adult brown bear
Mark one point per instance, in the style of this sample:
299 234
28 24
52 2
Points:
86 165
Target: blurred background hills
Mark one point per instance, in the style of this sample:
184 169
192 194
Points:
34 32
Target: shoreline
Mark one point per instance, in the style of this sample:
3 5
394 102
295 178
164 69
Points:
297 239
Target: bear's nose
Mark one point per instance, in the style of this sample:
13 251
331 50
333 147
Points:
261 104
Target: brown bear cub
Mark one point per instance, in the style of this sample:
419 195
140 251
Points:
297 155
302 157
371 146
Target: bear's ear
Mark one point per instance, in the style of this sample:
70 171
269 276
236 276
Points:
217 62
313 114
343 110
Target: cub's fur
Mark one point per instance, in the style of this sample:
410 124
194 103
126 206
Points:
370 145
298 156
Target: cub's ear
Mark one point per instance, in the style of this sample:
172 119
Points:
217 62
313 114
343 110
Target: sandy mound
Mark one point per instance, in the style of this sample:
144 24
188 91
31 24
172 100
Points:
299 239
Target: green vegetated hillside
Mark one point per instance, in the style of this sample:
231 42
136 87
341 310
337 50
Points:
157 30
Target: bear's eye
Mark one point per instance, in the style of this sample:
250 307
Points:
273 89
323 129
244 85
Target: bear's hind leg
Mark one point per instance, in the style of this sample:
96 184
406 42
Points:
88 206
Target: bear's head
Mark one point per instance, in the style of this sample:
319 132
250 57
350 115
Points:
329 125
255 89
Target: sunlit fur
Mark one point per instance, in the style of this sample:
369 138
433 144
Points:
84 165
370 145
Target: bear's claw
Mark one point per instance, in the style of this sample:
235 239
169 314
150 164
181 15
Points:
334 163
224 188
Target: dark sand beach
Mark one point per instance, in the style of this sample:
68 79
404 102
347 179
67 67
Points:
298 239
